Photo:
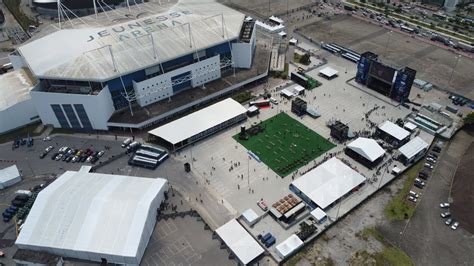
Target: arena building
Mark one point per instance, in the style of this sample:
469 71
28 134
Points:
111 65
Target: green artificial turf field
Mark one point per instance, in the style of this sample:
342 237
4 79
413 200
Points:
285 144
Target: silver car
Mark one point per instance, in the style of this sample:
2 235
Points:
455 226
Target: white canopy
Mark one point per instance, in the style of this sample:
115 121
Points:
90 216
290 245
413 147
242 244
410 126
269 28
287 93
197 122
394 130
328 182
328 72
318 214
9 176
276 20
250 216
367 148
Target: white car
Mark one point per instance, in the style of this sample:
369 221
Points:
88 160
58 157
74 159
455 226
449 221
47 139
445 214
412 199
100 153
48 149
431 160
427 165
444 205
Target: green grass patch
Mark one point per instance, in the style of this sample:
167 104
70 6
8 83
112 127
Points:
21 132
372 232
286 145
14 8
399 208
243 96
392 256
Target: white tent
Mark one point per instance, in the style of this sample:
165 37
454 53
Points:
328 72
328 182
409 126
367 148
286 93
319 215
394 130
200 121
242 244
92 216
413 147
298 90
250 217
289 246
9 176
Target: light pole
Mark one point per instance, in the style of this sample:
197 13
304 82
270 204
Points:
458 57
388 41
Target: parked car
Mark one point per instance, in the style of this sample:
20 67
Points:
74 159
444 205
48 149
89 159
455 226
418 185
449 221
94 159
126 142
47 139
58 157
417 180
429 166
101 153
445 214
69 158
412 199
413 194
431 160
54 156
43 155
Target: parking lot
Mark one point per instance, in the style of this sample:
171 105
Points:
433 64
425 237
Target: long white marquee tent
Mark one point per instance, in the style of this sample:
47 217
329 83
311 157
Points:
242 244
92 216
198 122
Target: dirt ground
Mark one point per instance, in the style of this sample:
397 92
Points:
462 190
344 239
432 63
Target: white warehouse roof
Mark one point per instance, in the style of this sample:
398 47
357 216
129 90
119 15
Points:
413 147
197 122
394 130
287 247
91 216
242 244
367 148
328 182
9 176
83 51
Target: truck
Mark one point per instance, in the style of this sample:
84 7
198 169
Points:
265 237
270 242
23 192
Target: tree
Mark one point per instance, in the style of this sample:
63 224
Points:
469 119
305 59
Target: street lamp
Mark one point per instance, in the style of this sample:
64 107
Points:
457 58
388 41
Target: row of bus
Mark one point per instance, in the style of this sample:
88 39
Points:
148 156
344 52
